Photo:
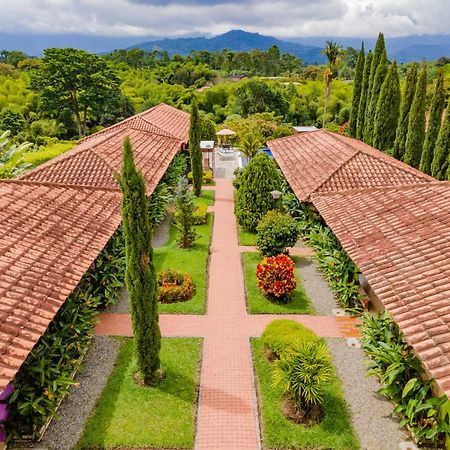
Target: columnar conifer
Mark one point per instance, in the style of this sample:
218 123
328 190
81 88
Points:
388 111
379 51
378 80
440 168
140 275
434 124
195 152
357 88
364 95
407 99
416 123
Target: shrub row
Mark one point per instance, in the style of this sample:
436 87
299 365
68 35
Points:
337 267
402 379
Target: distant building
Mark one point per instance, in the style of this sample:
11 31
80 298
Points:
305 129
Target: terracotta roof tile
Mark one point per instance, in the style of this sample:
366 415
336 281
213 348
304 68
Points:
96 164
50 236
399 237
321 161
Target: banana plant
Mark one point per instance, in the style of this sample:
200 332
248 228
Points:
11 155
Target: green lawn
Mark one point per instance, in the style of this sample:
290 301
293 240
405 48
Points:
207 198
259 304
128 415
246 237
192 260
334 432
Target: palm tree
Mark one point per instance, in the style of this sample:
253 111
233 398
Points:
332 51
250 145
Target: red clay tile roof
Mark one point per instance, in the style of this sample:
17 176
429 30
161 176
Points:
162 119
50 236
321 161
399 237
95 162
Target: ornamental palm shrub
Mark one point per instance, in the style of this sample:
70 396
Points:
302 373
184 217
140 276
437 108
276 277
276 232
253 198
279 335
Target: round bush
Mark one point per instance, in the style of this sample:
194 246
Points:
280 334
276 232
174 286
276 277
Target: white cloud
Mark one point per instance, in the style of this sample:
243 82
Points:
283 18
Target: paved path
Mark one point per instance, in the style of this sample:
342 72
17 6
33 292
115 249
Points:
227 415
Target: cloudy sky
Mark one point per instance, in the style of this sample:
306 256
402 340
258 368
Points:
282 18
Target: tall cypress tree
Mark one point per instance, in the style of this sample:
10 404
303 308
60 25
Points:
357 88
416 122
379 51
378 80
140 275
388 111
437 108
195 152
440 168
364 95
407 99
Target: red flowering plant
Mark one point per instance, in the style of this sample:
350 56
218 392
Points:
276 277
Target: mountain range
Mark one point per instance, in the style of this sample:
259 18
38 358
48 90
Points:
403 49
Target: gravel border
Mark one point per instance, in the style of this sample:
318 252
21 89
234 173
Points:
371 414
66 429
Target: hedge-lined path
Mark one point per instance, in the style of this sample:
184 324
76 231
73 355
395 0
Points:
227 412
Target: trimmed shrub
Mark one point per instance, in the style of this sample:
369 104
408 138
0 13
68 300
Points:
207 177
302 373
276 232
280 334
184 216
276 277
253 198
200 215
175 286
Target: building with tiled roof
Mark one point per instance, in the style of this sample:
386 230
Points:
50 236
162 119
321 161
96 162
400 239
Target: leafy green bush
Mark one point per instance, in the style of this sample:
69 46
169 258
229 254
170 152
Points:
276 232
402 379
302 372
207 177
184 216
200 214
253 198
175 286
340 271
279 335
47 373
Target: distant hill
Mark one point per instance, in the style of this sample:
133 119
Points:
235 40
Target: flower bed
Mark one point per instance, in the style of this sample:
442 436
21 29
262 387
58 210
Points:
175 286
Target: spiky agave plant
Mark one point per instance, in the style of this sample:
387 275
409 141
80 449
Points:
302 372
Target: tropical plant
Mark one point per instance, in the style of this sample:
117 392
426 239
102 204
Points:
302 372
276 231
254 198
184 216
416 123
195 151
140 274
332 51
250 145
276 277
10 157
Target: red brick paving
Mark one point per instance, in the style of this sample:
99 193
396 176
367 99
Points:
227 415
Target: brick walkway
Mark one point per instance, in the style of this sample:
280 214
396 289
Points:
227 414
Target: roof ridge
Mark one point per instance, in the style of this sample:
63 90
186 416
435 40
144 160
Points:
379 155
398 187
58 185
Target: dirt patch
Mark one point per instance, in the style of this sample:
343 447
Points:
307 419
